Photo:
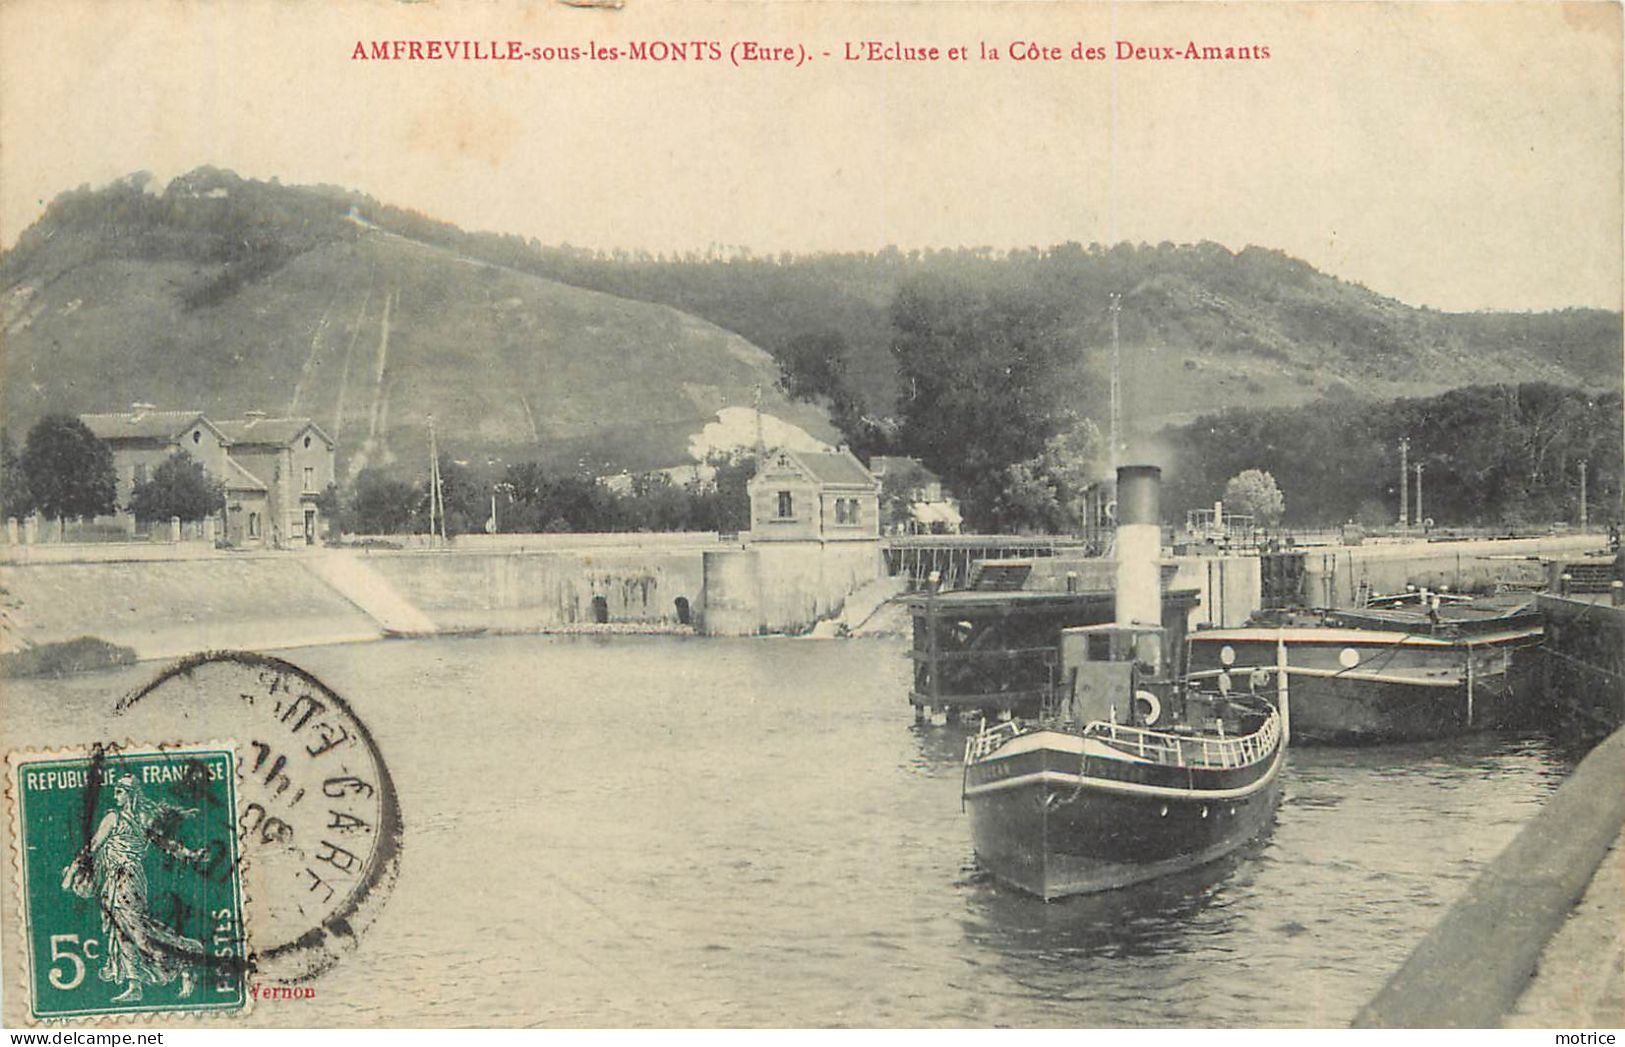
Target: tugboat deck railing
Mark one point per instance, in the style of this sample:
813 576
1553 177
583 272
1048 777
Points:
1163 747
1190 750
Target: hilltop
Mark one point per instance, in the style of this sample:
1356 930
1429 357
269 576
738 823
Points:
232 294
1202 327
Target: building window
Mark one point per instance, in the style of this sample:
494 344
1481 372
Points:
846 510
786 505
253 525
310 478
197 436
307 442
139 475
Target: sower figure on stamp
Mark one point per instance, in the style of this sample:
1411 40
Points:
140 949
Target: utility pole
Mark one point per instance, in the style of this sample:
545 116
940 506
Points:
1116 434
1404 483
1419 494
1583 519
761 449
437 500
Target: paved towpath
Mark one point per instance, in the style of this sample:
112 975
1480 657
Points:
1579 981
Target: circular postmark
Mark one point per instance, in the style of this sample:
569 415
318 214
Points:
318 815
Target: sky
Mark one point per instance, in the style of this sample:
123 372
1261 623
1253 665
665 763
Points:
1457 155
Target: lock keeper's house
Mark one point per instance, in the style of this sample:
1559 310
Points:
273 469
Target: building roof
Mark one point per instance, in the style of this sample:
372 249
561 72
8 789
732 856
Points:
240 479
275 431
143 425
836 468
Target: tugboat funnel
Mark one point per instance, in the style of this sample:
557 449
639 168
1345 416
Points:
1139 545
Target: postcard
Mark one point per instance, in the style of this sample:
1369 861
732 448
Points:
616 514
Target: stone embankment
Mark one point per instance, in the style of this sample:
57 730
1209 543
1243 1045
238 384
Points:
171 606
1537 939
165 609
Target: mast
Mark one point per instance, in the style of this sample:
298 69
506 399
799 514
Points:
761 449
1418 468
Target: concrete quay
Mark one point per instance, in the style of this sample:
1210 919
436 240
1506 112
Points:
1579 979
1536 941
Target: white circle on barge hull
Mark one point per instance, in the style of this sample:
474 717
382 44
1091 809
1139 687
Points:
1348 658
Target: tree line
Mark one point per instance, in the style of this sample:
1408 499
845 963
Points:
1491 455
528 498
64 471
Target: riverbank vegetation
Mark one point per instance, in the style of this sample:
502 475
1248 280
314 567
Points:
1491 455
85 654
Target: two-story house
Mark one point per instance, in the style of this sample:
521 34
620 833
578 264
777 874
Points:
273 469
143 438
294 460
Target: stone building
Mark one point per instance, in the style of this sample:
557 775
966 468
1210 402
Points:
293 459
273 469
825 496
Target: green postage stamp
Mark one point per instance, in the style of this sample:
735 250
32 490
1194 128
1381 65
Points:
131 888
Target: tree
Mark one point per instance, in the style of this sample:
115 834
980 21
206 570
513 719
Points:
983 375
722 503
14 497
897 489
813 367
180 486
379 504
462 497
69 471
1253 492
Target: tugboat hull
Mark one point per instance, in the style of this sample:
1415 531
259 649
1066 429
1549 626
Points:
1035 839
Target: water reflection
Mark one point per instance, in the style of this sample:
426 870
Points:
1143 920
669 832
940 748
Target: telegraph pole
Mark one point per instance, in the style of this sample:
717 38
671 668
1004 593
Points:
1583 519
1404 483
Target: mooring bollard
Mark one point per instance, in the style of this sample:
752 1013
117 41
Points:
1563 581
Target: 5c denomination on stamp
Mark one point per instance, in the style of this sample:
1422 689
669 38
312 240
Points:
129 879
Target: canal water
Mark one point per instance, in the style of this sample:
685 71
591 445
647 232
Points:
672 831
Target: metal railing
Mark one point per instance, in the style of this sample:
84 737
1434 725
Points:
1205 751
1161 746
987 739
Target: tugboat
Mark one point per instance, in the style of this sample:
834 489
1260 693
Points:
1406 667
1128 774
